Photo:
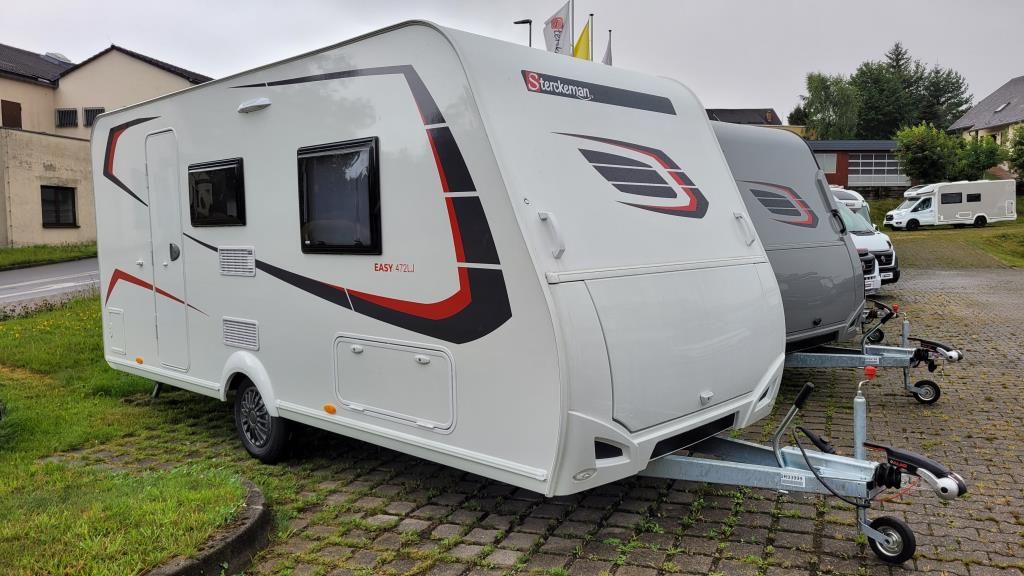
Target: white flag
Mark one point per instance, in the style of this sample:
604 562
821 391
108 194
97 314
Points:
556 33
608 51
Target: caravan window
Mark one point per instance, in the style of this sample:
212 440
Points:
974 197
952 198
339 199
216 193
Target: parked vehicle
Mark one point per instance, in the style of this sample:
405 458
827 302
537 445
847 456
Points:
815 261
881 245
866 239
365 240
957 203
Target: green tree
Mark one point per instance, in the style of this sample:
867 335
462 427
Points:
944 97
883 101
798 117
831 106
974 157
1016 152
926 152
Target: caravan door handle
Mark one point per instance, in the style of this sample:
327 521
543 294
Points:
751 237
551 221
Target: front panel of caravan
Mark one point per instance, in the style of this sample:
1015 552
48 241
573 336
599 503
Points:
620 186
448 317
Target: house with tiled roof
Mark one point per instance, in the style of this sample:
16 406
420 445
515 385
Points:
47 107
996 115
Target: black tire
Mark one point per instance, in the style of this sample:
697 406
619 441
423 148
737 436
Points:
913 225
931 394
876 336
264 436
905 543
980 222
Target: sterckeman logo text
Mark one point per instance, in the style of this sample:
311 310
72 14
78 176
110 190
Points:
536 83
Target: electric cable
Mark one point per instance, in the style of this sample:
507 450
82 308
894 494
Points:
822 480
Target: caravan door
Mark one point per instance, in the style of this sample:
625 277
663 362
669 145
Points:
168 260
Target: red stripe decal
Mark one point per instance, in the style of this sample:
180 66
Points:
119 275
431 311
111 149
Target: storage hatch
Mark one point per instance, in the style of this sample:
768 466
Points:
410 384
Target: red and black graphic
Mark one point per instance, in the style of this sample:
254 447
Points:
120 275
590 92
108 158
429 111
481 304
632 176
784 202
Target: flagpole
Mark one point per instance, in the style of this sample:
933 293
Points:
572 27
590 30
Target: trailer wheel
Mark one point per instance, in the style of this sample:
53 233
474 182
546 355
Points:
913 225
263 435
903 542
876 336
980 222
930 392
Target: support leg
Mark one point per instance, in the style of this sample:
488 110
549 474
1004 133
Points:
157 386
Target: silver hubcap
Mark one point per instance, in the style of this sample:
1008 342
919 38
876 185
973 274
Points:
255 419
896 545
926 392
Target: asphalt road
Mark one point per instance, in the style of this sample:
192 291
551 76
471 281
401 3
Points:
47 281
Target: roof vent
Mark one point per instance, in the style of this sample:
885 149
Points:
1001 106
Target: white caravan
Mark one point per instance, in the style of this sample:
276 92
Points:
957 203
523 265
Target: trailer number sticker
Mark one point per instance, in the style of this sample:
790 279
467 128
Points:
393 267
793 479
872 360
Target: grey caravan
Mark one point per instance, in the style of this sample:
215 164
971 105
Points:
814 259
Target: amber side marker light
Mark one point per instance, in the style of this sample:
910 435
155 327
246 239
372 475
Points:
138 359
330 409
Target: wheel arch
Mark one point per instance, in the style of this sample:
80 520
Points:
243 364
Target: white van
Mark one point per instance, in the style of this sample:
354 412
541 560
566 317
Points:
492 257
871 239
957 203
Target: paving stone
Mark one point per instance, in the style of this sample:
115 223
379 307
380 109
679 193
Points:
446 531
519 541
635 571
446 569
534 525
388 540
382 520
737 568
590 568
369 503
412 525
502 557
481 536
304 570
646 557
498 521
334 552
432 511
465 517
557 545
465 551
543 562
363 559
400 508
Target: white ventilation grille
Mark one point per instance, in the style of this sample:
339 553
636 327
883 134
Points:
237 260
241 333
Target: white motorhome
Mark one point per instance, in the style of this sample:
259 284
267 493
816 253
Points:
957 203
523 265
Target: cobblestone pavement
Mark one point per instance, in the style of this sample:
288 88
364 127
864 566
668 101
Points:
345 507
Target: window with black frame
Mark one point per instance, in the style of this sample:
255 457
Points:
216 193
339 198
58 207
952 198
974 197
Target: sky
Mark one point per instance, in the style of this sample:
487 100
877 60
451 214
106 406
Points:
732 53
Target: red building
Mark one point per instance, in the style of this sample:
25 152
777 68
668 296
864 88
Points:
860 164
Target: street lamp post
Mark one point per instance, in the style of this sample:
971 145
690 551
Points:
529 23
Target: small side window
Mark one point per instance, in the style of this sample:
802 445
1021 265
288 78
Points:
216 193
974 197
59 210
952 198
339 198
91 114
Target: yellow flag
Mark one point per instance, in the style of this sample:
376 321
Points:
582 47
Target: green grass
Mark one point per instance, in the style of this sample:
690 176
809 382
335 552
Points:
56 518
44 254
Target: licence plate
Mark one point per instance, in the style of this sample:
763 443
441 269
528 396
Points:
886 275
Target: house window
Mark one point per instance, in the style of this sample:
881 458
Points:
10 114
216 193
827 162
59 207
951 198
974 197
91 114
339 198
67 117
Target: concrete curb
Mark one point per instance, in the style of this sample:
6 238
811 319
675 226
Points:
230 551
46 263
